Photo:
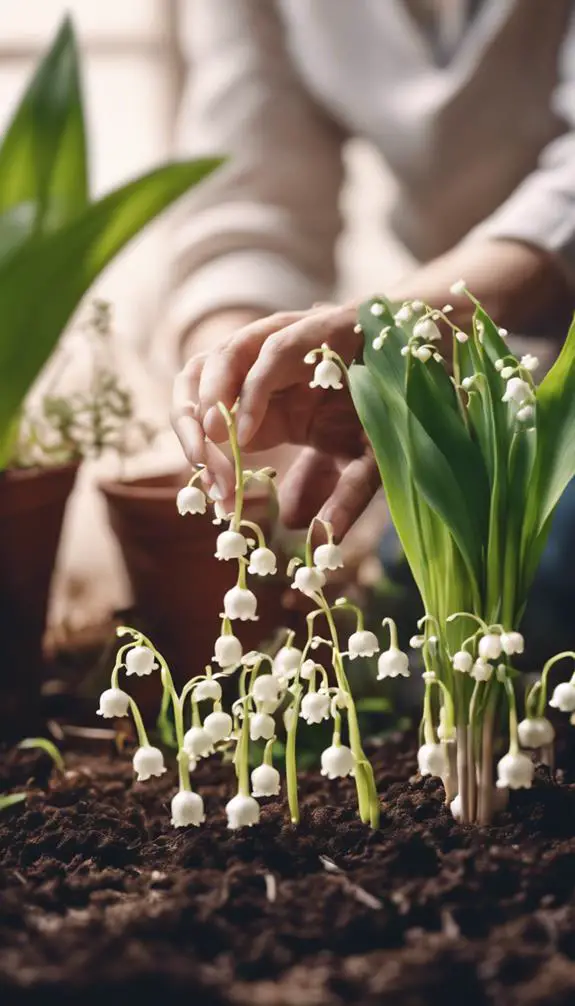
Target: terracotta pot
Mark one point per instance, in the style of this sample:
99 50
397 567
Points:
178 584
32 506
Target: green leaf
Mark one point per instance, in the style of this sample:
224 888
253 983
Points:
555 433
42 743
43 159
373 704
42 283
11 799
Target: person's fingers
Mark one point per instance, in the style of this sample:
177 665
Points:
224 370
189 430
280 362
309 482
356 487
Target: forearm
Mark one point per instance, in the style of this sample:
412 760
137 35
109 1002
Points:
215 329
521 287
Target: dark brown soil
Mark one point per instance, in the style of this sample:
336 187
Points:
99 896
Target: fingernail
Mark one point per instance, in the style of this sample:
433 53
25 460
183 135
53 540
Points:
210 418
245 429
215 493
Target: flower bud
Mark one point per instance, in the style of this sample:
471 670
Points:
263 562
242 812
481 670
197 743
458 288
535 732
427 330
262 726
327 374
462 661
393 663
315 707
514 771
208 690
337 762
517 391
140 661
286 662
431 759
490 646
231 545
564 697
148 761
328 557
187 809
266 691
218 725
192 500
114 703
309 580
228 651
529 362
362 644
265 781
240 603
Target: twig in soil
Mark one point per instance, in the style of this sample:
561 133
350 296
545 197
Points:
359 893
271 887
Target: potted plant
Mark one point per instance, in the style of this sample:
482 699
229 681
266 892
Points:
54 242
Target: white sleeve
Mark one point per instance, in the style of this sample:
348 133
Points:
262 231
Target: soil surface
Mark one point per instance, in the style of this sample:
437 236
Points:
99 896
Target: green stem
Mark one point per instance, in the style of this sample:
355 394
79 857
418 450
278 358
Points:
544 675
139 724
290 756
256 529
239 486
513 736
390 624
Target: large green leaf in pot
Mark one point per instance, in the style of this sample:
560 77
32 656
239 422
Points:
555 435
42 282
43 159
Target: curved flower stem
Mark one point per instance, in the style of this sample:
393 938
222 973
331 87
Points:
513 734
290 755
268 752
139 724
390 624
342 604
239 486
308 547
119 663
368 800
242 764
542 702
256 529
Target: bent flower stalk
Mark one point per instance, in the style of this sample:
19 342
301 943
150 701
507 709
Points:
473 458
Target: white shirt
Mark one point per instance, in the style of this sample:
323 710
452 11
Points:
476 126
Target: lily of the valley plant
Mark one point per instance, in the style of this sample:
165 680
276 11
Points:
473 458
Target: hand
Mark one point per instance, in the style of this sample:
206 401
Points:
263 365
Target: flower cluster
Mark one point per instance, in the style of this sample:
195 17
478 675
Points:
291 685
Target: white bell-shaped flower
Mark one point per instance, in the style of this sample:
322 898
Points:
517 391
337 761
262 726
404 314
431 759
263 562
197 743
328 557
481 670
462 661
512 642
187 809
455 807
114 703
309 580
286 662
231 545
228 651
218 725
422 353
208 691
308 669
240 603
148 761
327 374
393 663
140 660
242 812
265 781
514 771
535 732
267 691
315 707
490 646
526 414
190 499
362 644
564 697
458 288
529 362
427 330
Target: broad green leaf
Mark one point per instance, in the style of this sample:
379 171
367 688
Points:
42 283
555 433
44 744
43 158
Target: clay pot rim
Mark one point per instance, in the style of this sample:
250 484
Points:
37 472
